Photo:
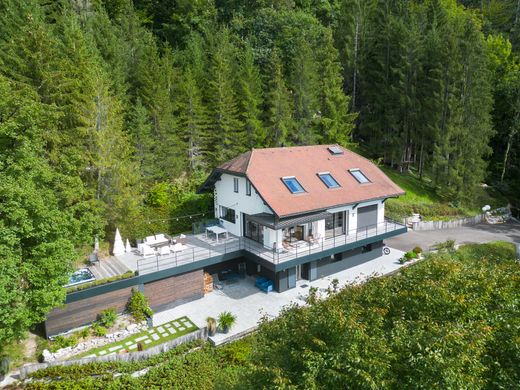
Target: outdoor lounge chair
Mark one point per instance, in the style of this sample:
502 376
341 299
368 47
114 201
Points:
164 250
178 247
147 250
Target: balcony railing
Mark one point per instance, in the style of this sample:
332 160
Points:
300 249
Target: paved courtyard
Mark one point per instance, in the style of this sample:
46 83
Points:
249 304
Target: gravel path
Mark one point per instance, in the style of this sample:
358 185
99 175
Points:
467 234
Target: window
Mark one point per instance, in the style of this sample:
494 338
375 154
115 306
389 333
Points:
293 185
235 184
227 214
248 187
359 176
329 181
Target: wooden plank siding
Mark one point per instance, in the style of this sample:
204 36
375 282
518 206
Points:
85 311
161 294
175 290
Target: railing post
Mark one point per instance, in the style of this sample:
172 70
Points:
157 260
193 254
176 262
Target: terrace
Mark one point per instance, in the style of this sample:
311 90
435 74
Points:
201 250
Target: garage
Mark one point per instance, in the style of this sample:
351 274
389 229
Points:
367 216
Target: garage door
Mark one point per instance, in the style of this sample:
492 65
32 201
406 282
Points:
367 216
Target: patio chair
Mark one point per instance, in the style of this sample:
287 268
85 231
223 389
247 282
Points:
147 250
178 247
164 250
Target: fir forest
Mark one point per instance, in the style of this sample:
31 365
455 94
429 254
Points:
114 112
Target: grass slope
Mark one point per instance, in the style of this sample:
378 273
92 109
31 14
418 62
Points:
422 198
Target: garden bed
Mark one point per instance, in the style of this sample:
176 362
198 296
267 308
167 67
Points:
147 339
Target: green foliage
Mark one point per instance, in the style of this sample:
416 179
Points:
417 250
63 342
138 306
451 322
107 317
226 320
99 330
84 333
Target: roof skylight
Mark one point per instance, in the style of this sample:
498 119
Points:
359 176
293 185
335 150
328 180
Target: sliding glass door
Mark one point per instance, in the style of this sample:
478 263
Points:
335 224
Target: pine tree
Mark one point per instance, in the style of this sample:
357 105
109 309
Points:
250 99
336 123
279 120
226 134
304 84
193 121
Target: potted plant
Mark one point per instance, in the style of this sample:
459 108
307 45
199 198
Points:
212 326
226 321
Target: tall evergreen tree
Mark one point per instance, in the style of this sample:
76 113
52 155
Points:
304 84
279 120
250 99
336 123
226 134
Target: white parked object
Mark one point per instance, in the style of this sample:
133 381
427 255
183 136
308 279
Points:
164 250
119 247
128 248
147 250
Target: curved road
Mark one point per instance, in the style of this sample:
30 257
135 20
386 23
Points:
509 231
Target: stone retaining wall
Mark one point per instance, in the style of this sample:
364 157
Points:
439 225
200 334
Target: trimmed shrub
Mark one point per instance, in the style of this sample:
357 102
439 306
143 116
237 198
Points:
83 333
108 317
99 330
138 306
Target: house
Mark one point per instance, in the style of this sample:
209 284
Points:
305 198
288 214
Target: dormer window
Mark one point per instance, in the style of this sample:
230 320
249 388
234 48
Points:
293 185
359 176
328 180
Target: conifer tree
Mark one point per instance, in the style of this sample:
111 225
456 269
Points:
304 84
193 121
250 99
336 123
226 136
279 120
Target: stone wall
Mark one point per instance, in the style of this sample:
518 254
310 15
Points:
200 334
439 225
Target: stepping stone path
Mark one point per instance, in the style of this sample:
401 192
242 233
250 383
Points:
155 335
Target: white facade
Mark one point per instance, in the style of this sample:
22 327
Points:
241 203
226 196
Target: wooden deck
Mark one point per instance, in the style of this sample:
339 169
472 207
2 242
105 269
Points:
108 268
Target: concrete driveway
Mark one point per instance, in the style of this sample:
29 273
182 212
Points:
467 234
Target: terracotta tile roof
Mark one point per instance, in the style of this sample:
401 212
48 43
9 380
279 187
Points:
266 167
238 164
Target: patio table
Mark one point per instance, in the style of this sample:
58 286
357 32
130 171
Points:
217 230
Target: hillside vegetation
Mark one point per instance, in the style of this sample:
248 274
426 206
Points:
451 321
422 198
112 112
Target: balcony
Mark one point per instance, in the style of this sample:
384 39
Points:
201 251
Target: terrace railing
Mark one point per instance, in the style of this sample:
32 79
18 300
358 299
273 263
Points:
302 248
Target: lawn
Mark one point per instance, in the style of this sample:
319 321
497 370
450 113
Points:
421 198
149 338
